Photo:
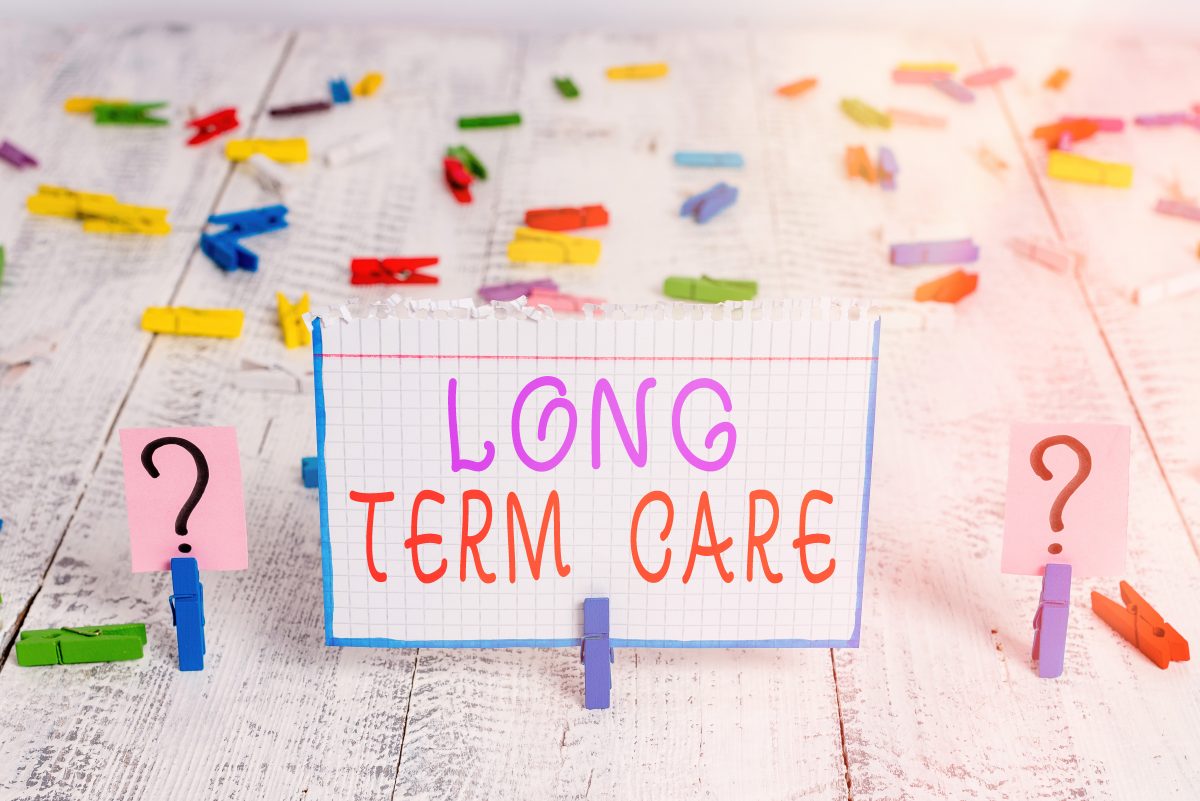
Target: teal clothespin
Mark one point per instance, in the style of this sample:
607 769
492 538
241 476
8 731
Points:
566 87
708 290
72 646
469 160
127 113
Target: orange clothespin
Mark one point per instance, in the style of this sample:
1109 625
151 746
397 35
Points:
1137 622
858 164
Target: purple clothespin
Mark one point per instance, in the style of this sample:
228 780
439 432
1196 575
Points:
300 108
1159 120
1050 623
954 89
888 168
708 204
517 289
958 251
988 77
15 156
596 654
1177 208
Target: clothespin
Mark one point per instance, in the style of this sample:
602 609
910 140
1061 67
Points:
225 248
187 611
58 201
637 72
128 113
990 161
122 218
490 121
361 145
286 151
86 105
1138 623
988 77
74 646
291 320
954 89
339 90
925 77
393 271
709 203
183 321
566 87
1070 167
16 156
560 301
949 288
864 114
269 175
1058 79
212 125
692 158
888 169
532 244
796 88
1046 252
596 654
948 67
1162 120
458 179
517 289
309 472
296 109
1050 622
906 117
949 252
567 219
1077 129
1105 124
708 290
463 155
858 164
1171 287
369 84
1177 208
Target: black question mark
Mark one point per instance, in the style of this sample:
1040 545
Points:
197 489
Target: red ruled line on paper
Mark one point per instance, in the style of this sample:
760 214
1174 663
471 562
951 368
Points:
481 357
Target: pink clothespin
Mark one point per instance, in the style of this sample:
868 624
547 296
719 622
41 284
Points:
560 301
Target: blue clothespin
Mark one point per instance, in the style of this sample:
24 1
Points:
596 654
308 471
187 611
225 248
706 205
1050 623
340 90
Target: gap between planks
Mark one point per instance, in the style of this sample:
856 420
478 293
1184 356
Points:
1077 275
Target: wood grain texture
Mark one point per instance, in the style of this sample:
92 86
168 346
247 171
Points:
940 701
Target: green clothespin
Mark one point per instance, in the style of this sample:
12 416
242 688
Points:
864 114
468 160
708 290
127 113
493 121
72 646
566 87
1 280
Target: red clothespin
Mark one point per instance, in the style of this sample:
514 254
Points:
458 179
1137 622
567 219
393 271
213 125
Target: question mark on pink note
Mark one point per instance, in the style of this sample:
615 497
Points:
1037 462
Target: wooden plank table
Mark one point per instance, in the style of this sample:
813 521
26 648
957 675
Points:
939 702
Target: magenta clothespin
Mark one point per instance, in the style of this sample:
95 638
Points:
1177 208
15 156
988 77
1050 623
517 289
888 168
560 301
954 89
957 251
596 654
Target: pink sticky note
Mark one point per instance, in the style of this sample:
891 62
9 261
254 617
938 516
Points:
1094 517
216 525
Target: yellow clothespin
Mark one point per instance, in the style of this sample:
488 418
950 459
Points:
122 218
295 332
58 201
86 105
532 244
285 151
193 322
637 72
369 84
928 66
1071 167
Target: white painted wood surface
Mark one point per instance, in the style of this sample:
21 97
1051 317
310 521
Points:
940 701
